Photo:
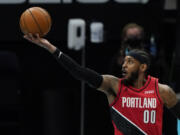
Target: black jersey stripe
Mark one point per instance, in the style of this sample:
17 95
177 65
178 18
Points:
124 125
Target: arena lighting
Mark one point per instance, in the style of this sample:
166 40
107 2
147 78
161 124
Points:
71 1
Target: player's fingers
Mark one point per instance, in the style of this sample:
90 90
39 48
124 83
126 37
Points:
37 36
27 37
32 36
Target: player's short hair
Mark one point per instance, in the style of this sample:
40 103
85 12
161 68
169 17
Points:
142 56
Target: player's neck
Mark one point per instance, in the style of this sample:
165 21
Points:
139 82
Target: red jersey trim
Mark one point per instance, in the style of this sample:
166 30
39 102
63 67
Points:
118 94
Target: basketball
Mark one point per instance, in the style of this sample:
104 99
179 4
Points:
35 20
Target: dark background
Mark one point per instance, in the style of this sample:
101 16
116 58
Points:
39 97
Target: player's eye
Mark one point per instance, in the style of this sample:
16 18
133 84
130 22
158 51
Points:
130 61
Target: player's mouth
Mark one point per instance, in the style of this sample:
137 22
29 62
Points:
124 73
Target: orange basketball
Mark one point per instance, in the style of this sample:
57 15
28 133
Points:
35 20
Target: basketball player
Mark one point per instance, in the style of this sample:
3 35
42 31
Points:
136 100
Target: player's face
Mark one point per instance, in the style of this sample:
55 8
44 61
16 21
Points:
130 68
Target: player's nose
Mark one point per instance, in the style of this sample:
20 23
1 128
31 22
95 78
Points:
124 65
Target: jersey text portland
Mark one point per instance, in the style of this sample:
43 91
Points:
138 111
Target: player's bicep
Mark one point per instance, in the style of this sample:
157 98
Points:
168 96
109 84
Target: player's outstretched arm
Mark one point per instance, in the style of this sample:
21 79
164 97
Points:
40 42
169 99
104 83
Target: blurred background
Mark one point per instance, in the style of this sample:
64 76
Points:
38 96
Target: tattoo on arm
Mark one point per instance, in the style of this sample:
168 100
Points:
168 95
172 97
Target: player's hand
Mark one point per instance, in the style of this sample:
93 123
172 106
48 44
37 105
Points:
42 42
36 39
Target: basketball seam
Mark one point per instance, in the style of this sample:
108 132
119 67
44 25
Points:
25 23
49 23
35 21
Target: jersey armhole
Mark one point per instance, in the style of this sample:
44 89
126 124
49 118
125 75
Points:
118 94
157 91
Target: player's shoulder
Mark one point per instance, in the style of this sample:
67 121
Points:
164 87
164 90
167 94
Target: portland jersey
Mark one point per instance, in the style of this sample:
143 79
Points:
138 111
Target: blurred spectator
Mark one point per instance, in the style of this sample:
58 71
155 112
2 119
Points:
132 38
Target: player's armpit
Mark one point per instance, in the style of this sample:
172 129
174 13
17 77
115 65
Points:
109 85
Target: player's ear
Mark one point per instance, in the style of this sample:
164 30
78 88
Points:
143 67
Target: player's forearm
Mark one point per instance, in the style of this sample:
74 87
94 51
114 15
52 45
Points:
50 47
80 73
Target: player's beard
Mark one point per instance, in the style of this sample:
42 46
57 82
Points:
133 77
